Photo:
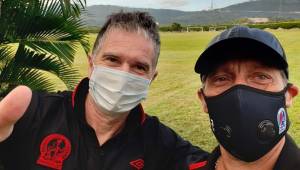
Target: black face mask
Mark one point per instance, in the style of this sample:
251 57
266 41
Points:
248 122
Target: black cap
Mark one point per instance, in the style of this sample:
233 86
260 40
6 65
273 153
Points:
242 42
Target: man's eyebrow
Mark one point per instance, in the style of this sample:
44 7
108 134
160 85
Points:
221 69
110 54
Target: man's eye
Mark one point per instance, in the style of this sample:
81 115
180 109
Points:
220 79
141 68
260 78
111 59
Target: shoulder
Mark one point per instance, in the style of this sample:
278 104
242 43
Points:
50 98
181 151
43 104
290 156
292 153
152 125
166 135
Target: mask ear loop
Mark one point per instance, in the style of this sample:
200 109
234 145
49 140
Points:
287 86
93 61
202 92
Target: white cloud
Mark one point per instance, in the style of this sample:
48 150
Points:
173 3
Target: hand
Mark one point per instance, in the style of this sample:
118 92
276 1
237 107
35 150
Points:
12 108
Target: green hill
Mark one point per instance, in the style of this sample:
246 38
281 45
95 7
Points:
284 9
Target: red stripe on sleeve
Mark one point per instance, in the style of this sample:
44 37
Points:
194 166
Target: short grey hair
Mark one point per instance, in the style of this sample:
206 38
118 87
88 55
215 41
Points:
140 22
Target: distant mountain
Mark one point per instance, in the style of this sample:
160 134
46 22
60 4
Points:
288 9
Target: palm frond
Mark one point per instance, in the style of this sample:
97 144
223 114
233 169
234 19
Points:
6 53
36 80
26 58
64 50
48 33
61 40
39 16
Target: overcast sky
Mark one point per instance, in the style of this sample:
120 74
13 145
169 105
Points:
185 5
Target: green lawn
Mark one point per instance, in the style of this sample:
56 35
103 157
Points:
173 94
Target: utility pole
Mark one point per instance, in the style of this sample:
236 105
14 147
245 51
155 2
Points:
280 8
212 5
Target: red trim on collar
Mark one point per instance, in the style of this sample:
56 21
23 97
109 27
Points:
197 165
74 94
143 115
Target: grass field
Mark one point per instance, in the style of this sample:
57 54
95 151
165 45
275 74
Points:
173 94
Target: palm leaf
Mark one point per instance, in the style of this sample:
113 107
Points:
62 41
26 58
6 54
65 50
48 33
10 78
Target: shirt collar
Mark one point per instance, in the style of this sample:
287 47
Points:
212 159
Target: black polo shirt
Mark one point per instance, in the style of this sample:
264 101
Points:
289 158
53 134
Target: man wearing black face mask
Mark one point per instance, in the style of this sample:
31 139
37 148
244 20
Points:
246 92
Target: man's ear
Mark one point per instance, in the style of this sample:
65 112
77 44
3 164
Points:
154 76
292 92
202 100
90 69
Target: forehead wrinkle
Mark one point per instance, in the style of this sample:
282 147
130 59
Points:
240 64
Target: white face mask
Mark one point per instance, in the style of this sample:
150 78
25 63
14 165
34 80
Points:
116 92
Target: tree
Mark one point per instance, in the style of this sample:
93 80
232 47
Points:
38 36
176 27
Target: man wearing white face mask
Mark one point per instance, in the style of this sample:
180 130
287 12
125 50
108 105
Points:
116 92
101 125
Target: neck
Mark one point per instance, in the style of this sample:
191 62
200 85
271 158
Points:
228 162
104 125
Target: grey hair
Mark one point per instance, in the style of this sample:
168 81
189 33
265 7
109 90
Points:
284 77
139 22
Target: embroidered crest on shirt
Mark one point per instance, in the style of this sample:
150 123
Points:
137 164
54 149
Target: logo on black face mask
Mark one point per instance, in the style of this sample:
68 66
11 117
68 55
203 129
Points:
212 125
281 119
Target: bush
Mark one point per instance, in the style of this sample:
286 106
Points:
284 25
165 29
271 25
93 29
